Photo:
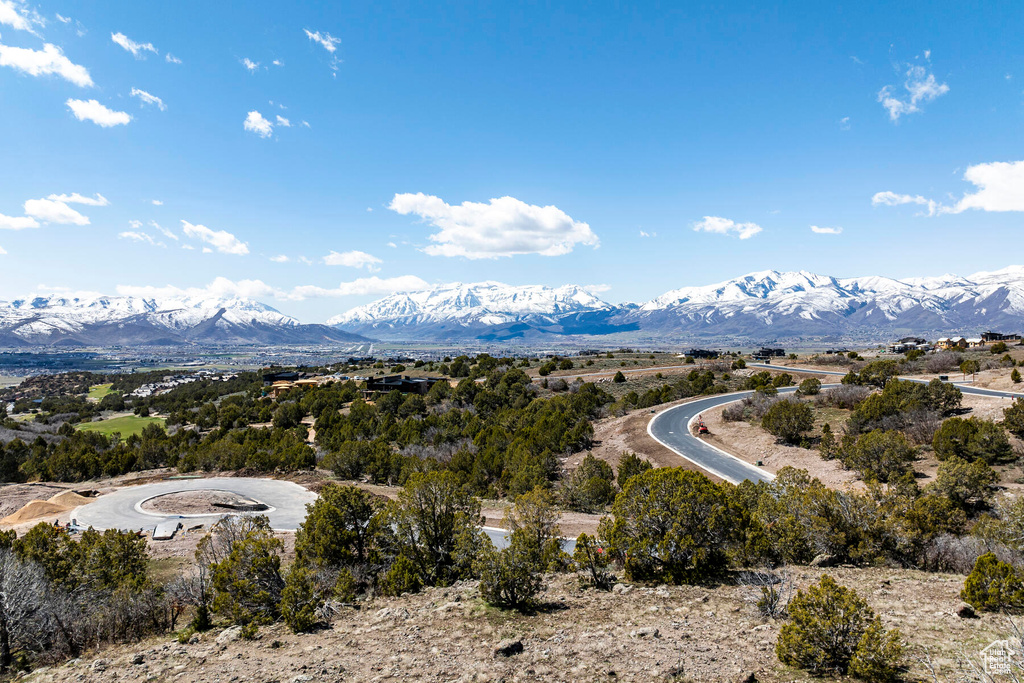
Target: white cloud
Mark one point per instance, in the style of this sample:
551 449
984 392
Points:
221 240
75 198
157 202
596 289
921 87
139 236
51 211
171 59
49 60
250 65
131 46
188 247
504 227
17 222
1001 187
221 287
644 233
167 233
277 62
255 123
62 19
307 261
17 18
392 245
306 124
724 226
2 251
826 231
147 98
352 259
280 258
92 110
892 199
329 42
282 121
844 123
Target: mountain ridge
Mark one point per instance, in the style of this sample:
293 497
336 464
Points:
763 304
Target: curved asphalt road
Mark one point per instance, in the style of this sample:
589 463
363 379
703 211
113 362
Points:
671 428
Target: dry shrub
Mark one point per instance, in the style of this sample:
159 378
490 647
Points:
734 412
943 361
846 396
957 554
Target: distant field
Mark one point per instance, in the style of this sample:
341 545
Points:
98 391
127 425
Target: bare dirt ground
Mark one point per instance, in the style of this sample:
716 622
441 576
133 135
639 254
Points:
636 633
196 503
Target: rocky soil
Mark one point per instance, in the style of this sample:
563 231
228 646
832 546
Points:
633 633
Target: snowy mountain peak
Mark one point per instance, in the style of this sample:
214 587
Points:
490 303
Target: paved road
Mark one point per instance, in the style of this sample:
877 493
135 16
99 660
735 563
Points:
671 428
122 508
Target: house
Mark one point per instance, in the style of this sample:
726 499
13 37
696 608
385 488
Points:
908 344
270 378
702 353
998 337
766 353
404 384
951 343
975 342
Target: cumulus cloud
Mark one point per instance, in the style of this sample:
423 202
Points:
352 259
171 59
49 60
644 233
1000 188
329 42
147 98
920 87
826 231
724 226
503 227
17 222
137 49
282 121
255 123
893 199
92 110
221 240
51 211
280 258
250 65
157 202
277 62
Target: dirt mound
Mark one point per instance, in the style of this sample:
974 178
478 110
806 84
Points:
34 510
69 499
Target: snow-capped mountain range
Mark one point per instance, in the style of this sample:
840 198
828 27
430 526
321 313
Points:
113 320
763 305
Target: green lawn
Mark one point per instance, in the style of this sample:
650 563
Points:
127 425
98 391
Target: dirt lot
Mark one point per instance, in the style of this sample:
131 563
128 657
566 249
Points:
635 633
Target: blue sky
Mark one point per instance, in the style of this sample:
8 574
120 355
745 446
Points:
636 148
